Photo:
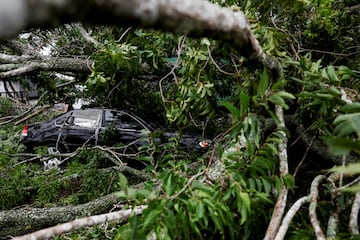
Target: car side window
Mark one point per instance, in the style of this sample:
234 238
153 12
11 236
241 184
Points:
121 120
85 118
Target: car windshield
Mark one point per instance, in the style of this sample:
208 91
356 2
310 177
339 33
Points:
86 118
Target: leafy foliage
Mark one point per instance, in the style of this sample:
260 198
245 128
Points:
314 41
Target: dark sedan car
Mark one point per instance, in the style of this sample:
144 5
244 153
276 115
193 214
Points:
73 129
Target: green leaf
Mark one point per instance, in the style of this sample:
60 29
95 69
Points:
123 182
334 91
285 95
289 181
351 108
347 124
332 74
234 110
325 96
342 146
244 214
150 218
353 189
352 168
245 200
205 41
263 84
278 100
267 185
168 185
244 103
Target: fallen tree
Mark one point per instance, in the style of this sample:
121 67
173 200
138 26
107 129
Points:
259 167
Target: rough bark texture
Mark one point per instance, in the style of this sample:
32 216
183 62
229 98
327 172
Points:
27 219
51 232
26 64
280 205
197 18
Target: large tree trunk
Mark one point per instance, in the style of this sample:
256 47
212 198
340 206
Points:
22 220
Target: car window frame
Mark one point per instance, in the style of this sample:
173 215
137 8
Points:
133 117
66 115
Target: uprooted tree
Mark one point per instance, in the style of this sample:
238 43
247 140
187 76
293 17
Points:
217 84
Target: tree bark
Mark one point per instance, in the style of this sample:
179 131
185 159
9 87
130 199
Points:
197 18
43 63
23 220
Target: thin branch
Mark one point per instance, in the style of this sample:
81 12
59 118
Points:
187 185
329 53
357 180
82 223
7 58
314 194
86 35
124 33
353 224
18 47
289 216
26 112
284 169
218 67
304 156
46 64
332 224
172 72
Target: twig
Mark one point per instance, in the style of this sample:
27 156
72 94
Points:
342 174
26 112
172 72
187 185
27 160
123 35
304 156
82 223
218 67
357 180
31 115
327 52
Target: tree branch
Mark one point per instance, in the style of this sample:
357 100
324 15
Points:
86 35
314 194
354 227
82 223
195 18
283 162
44 64
289 216
25 219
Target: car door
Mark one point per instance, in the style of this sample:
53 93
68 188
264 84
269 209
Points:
80 128
122 127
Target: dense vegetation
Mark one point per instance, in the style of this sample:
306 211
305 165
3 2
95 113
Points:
205 86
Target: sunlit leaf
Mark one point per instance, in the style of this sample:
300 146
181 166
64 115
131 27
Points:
352 168
234 110
342 146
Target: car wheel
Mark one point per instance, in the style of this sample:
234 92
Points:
54 162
